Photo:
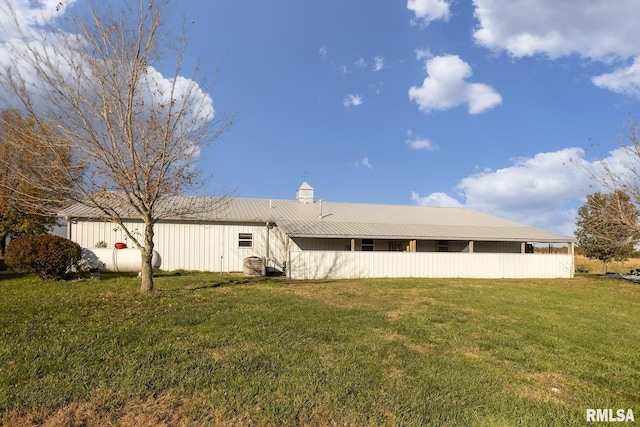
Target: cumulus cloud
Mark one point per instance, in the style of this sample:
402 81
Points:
600 30
436 199
542 191
352 100
17 15
624 80
543 181
597 29
429 10
29 32
446 87
419 143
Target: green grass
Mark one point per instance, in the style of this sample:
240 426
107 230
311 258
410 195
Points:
205 349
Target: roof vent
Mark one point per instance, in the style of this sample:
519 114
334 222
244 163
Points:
305 193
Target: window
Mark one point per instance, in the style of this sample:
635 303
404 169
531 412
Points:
367 245
442 246
245 240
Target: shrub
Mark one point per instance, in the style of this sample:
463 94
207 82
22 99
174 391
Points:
50 257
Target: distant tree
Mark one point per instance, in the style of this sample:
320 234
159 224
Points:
24 158
607 227
135 135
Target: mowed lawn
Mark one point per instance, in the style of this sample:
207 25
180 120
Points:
207 349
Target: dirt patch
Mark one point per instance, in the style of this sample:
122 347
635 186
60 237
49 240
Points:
162 411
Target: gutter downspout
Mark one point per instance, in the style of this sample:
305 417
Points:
268 225
66 218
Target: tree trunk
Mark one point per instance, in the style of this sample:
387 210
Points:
147 258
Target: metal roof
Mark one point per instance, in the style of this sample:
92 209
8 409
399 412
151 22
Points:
324 219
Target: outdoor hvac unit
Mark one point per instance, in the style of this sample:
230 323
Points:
254 266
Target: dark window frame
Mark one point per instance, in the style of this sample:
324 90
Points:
367 245
245 240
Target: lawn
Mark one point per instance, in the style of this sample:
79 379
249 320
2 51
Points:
206 349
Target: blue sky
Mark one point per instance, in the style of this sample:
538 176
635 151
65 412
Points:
497 105
427 102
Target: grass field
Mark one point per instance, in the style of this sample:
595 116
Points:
592 266
206 349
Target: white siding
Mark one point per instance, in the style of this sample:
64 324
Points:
186 246
214 247
346 265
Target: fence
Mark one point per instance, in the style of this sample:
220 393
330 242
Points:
306 265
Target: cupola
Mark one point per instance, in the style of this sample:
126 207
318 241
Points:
305 193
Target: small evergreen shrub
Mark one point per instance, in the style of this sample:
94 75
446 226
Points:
50 257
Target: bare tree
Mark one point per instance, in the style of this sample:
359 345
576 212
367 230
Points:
135 135
620 174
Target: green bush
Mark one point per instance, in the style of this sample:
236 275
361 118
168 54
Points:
50 257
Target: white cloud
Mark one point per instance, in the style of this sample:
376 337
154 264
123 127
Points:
600 30
445 87
364 161
542 182
536 190
541 191
596 29
323 52
436 199
378 63
429 10
623 80
361 63
352 100
423 54
419 143
36 20
29 14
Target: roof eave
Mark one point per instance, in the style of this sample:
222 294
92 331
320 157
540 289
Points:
560 239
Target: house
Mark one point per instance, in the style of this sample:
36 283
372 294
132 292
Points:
316 239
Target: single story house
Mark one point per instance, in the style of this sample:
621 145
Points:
315 239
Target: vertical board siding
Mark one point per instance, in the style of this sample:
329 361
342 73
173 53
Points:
305 265
182 246
214 247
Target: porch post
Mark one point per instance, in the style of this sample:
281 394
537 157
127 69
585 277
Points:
470 246
523 247
413 245
353 245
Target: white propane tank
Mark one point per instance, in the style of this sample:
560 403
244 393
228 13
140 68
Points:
123 260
